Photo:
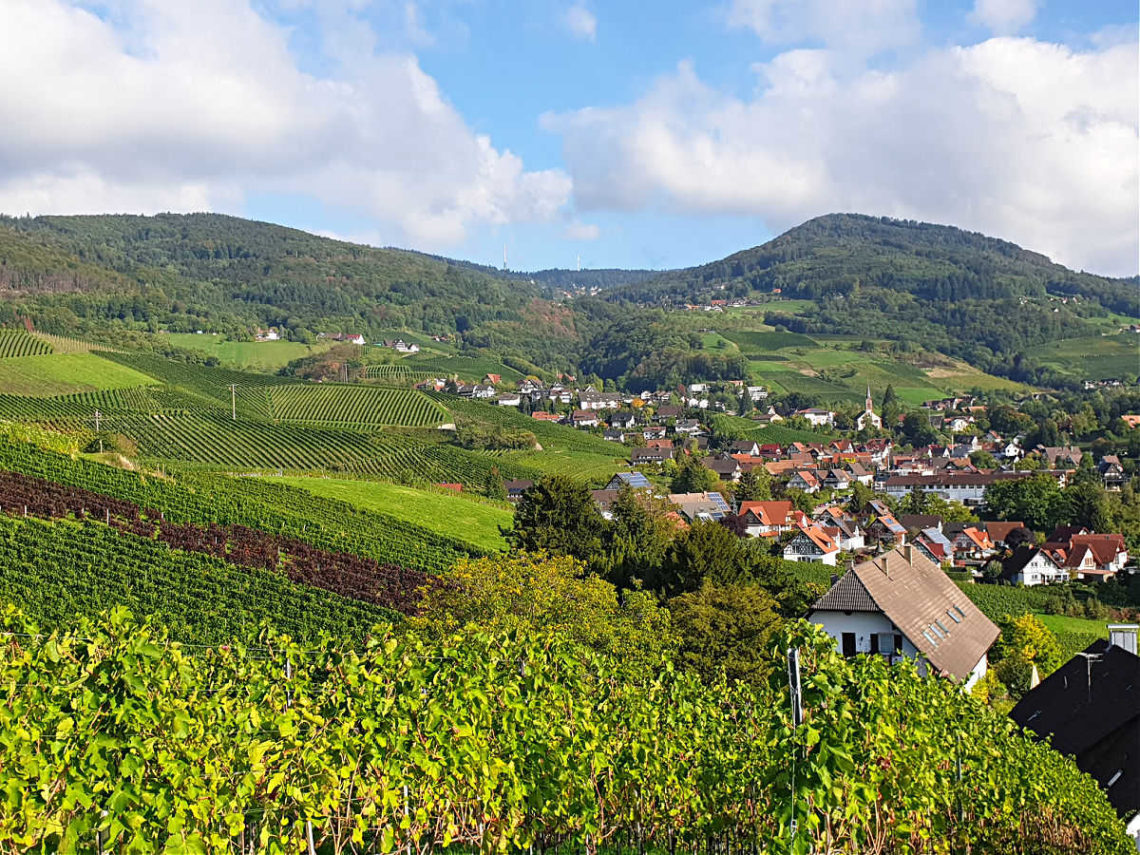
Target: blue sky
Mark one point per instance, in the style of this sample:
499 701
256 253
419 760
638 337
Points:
626 134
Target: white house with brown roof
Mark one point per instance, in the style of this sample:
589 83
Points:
812 544
767 518
1030 566
902 604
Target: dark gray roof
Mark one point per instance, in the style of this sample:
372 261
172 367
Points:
846 595
1090 706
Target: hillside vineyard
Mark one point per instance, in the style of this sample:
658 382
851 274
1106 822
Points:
313 547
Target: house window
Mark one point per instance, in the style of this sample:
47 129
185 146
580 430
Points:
929 637
959 611
874 643
898 643
953 616
848 644
937 631
942 627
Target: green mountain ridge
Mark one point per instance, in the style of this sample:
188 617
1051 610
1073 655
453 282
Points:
838 253
931 287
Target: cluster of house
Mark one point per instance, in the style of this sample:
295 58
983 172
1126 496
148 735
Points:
588 400
400 346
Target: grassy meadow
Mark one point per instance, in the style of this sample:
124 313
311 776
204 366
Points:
837 369
266 356
467 518
65 374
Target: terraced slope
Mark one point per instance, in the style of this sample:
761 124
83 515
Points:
204 498
338 404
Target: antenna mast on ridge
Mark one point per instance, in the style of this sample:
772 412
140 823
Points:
504 256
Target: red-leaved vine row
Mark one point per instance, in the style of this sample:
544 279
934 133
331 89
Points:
342 573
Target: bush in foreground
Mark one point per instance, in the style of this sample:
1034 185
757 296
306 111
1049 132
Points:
494 740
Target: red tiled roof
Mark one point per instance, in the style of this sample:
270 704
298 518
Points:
769 513
1104 547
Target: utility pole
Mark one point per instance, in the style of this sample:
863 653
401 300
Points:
233 402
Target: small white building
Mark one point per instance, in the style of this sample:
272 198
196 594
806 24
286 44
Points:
817 417
902 604
1030 566
812 544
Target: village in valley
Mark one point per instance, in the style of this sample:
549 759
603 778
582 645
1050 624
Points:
818 482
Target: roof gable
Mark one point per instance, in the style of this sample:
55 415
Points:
849 594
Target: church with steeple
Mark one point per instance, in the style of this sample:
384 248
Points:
868 419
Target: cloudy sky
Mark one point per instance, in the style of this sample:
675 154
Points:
624 133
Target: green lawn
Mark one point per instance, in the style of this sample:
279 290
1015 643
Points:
467 519
248 355
1061 623
64 374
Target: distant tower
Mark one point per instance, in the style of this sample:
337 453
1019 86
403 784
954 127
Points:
868 419
504 256
579 262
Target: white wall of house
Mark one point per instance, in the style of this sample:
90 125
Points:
864 625
977 673
1040 571
803 548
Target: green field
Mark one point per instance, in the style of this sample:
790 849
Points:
1061 623
745 428
248 355
751 342
467 519
65 374
577 464
1095 357
836 369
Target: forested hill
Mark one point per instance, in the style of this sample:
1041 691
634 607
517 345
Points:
838 254
226 273
974 297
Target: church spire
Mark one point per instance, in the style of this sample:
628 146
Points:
868 398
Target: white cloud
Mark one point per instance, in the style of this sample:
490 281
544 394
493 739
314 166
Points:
581 22
1025 140
195 106
1003 17
582 231
860 26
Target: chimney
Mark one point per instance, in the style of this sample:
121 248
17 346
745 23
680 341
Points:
1123 635
908 553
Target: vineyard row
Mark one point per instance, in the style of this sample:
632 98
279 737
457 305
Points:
345 574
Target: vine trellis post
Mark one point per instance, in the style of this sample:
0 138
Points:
796 698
